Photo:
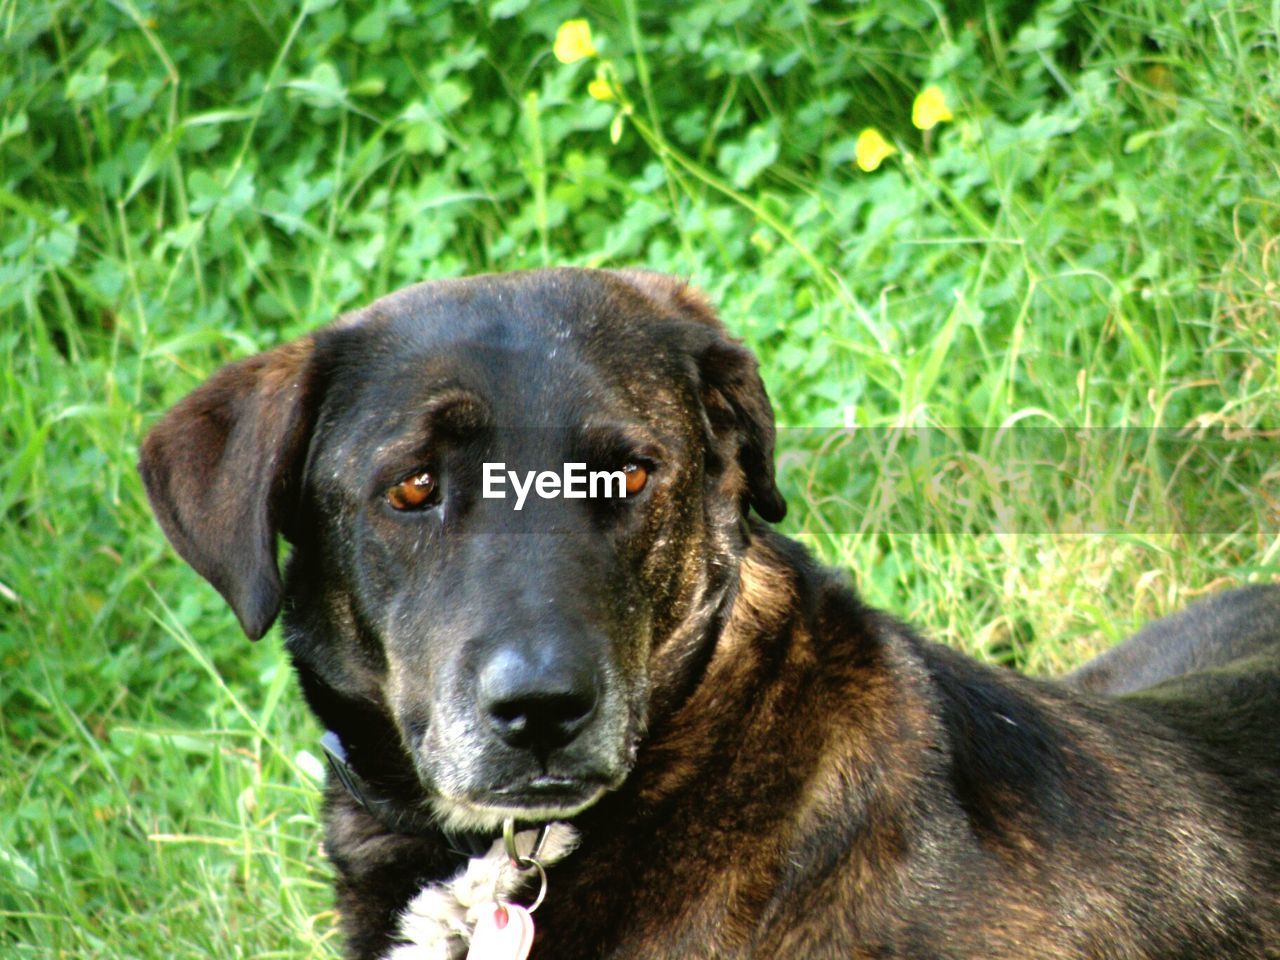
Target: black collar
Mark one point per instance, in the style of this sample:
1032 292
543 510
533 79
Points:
396 816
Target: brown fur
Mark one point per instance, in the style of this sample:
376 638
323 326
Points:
792 773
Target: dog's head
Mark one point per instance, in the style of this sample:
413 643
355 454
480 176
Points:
446 601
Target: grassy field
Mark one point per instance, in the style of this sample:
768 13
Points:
1079 265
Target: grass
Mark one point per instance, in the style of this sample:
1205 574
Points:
1092 242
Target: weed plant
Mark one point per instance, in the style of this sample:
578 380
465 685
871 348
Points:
1086 239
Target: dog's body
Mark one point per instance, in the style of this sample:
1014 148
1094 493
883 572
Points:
755 763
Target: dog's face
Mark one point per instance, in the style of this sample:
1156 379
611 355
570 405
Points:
508 640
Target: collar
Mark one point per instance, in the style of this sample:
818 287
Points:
396 816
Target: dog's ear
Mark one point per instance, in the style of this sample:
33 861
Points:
218 470
735 399
733 393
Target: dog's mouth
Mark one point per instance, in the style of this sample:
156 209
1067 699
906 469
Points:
548 791
538 800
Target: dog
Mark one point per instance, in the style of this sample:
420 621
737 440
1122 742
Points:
731 754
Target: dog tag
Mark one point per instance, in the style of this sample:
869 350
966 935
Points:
504 932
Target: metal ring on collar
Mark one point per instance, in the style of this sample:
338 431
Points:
509 844
542 886
527 863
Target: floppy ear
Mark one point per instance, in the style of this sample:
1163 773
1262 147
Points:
218 470
733 392
737 401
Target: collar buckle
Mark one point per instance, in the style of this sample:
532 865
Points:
336 754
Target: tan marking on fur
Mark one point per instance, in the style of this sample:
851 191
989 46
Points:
287 361
766 595
673 293
764 600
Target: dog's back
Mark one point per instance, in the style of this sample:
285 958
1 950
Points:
1212 673
1215 633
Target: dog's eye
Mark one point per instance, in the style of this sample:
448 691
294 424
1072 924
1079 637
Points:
636 477
413 492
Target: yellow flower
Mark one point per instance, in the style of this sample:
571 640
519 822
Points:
872 149
600 88
573 41
930 108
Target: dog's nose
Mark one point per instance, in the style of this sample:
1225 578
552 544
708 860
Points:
536 699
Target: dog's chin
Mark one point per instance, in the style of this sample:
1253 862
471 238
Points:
487 814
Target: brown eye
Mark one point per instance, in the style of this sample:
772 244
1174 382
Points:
412 492
636 477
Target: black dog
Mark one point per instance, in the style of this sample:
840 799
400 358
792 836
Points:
754 763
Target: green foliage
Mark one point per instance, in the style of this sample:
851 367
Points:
1090 241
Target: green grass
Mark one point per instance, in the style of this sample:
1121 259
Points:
1093 241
